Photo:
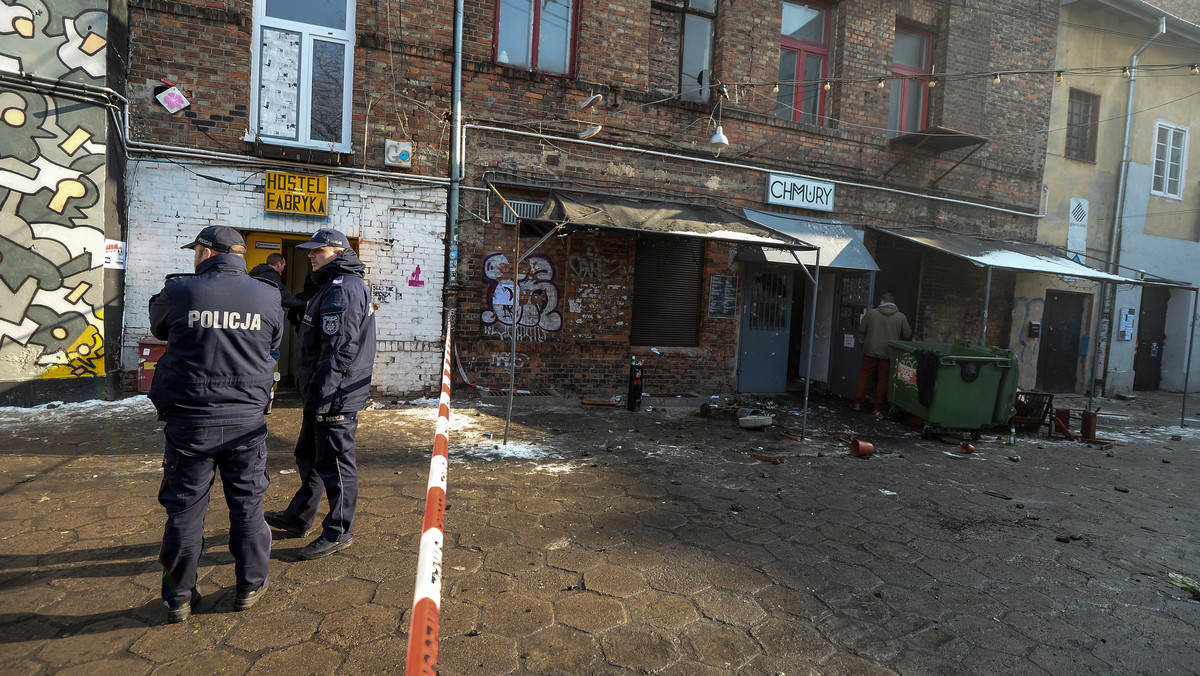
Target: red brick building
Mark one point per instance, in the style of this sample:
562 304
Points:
842 119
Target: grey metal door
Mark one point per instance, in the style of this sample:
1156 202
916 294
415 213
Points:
1058 354
1151 334
766 322
845 354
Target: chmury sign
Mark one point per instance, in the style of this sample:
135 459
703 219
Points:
791 191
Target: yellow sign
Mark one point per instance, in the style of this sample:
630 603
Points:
296 194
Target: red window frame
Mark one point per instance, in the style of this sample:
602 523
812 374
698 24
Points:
535 38
910 79
803 48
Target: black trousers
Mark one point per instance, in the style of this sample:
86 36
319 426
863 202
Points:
326 460
192 457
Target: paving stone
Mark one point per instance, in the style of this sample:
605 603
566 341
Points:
613 581
306 658
542 538
717 645
548 583
632 556
512 560
730 607
379 657
516 616
336 595
663 610
679 579
357 625
90 642
275 630
559 650
128 666
737 578
648 650
574 558
791 636
479 655
480 588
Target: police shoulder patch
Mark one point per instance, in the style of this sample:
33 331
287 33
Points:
330 324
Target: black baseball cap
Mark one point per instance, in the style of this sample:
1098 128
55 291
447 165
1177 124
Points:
326 237
219 238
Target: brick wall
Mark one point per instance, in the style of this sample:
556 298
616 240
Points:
396 230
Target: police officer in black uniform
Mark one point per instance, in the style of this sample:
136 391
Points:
333 378
211 387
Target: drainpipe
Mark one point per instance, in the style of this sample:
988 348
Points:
456 138
1114 247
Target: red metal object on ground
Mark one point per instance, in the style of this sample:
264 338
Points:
150 350
1062 420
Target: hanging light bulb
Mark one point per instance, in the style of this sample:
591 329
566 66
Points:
996 80
1058 76
775 89
827 85
881 84
1124 71
724 91
719 140
1195 70
933 83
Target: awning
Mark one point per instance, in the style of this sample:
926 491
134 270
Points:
841 246
579 210
1011 255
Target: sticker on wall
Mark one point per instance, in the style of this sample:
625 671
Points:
114 254
415 278
172 99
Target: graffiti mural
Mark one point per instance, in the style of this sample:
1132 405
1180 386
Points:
52 173
536 312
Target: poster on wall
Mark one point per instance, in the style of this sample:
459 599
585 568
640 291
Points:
722 296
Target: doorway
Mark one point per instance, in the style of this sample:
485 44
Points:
1058 352
1151 334
765 329
852 298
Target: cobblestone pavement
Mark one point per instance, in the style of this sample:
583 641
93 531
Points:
603 541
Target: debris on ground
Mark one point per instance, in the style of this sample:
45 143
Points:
1185 583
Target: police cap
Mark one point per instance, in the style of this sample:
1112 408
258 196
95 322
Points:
326 237
219 238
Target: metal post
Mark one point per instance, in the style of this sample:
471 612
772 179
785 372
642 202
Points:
812 324
987 299
1187 366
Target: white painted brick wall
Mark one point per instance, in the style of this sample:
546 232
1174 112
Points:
399 228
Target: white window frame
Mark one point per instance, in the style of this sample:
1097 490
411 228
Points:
1161 181
309 33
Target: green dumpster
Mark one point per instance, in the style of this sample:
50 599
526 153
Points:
952 385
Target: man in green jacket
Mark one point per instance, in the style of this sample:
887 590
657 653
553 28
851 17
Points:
879 324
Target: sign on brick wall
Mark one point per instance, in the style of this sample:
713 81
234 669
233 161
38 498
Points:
296 194
792 191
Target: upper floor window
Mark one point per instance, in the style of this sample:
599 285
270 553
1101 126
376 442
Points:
908 109
304 61
803 63
1083 112
696 46
1170 148
537 35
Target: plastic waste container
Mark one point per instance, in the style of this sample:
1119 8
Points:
952 385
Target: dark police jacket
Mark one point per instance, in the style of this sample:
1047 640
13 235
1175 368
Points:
220 325
337 340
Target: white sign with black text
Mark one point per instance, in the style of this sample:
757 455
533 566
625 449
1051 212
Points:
791 191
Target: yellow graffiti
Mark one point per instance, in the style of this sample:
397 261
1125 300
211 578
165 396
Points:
92 44
78 292
75 140
84 359
67 188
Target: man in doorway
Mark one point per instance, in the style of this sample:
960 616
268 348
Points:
211 388
879 325
272 271
333 378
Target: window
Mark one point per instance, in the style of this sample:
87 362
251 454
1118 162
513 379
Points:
909 105
1169 148
1083 111
536 35
803 63
303 70
666 291
696 45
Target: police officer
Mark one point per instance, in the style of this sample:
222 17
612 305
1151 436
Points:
333 378
211 387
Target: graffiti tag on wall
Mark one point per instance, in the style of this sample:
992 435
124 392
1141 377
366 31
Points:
51 177
535 312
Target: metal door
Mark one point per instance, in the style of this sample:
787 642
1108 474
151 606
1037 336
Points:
845 353
1058 353
766 323
1151 332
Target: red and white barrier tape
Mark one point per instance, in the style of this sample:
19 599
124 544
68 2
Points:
427 596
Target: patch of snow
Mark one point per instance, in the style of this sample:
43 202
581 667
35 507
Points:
46 413
491 451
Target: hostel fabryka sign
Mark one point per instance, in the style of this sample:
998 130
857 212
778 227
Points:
296 194
792 191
